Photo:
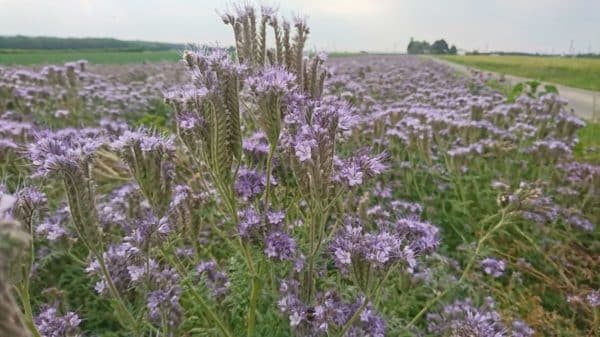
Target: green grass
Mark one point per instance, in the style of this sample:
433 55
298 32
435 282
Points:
588 148
575 72
33 57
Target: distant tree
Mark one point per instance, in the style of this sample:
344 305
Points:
440 47
418 47
423 47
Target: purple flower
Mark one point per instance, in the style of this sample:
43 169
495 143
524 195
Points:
521 329
580 223
275 217
118 259
461 318
329 311
256 146
380 249
64 152
493 267
273 80
280 246
163 302
216 280
145 153
250 222
51 324
593 298
53 227
250 183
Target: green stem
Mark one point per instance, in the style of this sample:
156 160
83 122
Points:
256 284
268 186
26 301
115 293
354 317
212 315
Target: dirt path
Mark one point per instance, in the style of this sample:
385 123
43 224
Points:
585 103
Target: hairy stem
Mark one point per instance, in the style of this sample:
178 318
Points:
354 317
23 292
268 184
115 294
256 285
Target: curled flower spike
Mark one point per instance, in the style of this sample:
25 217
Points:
270 89
208 118
150 161
68 155
29 201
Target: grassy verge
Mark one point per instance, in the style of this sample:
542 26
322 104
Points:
575 72
588 148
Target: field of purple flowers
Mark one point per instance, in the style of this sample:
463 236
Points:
271 193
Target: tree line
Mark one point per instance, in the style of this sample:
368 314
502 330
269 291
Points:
423 47
43 42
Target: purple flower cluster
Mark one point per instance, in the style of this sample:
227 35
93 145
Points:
360 167
272 81
163 304
64 152
280 246
118 260
329 312
250 183
216 280
51 324
145 152
54 226
379 250
462 318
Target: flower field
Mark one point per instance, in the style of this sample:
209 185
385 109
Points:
275 192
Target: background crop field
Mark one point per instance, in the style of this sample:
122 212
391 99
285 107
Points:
575 72
33 57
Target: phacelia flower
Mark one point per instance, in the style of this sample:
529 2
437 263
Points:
493 267
51 324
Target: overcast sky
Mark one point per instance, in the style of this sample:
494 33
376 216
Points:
336 25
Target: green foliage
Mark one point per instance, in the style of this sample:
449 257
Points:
439 47
588 148
529 88
158 118
418 47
